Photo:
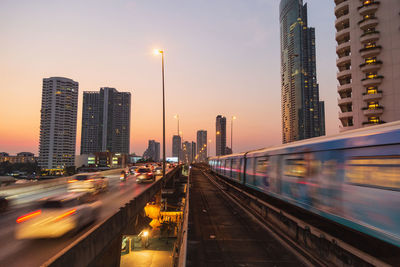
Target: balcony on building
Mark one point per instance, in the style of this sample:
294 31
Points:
368 82
337 2
343 48
372 111
372 51
373 122
343 74
343 61
341 8
368 23
342 35
371 67
344 88
345 101
347 123
343 22
368 8
369 37
377 95
343 115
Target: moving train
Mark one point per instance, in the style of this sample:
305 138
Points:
351 178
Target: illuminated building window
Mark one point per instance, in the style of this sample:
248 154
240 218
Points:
372 90
370 45
372 75
370 60
374 119
373 105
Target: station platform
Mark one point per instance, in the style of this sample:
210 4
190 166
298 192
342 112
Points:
221 234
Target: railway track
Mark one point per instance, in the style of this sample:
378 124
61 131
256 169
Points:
311 240
221 234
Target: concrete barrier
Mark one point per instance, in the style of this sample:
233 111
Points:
101 245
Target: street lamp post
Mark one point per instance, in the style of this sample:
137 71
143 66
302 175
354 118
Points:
233 118
177 117
158 51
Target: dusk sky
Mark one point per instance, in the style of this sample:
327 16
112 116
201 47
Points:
221 57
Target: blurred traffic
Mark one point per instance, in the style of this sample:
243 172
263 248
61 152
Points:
63 208
58 215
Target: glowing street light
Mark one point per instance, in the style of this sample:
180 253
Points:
161 52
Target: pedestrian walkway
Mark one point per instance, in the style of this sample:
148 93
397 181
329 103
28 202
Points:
157 254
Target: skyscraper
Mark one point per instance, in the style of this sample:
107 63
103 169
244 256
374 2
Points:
368 49
176 146
301 114
220 128
186 152
153 151
202 145
58 123
106 121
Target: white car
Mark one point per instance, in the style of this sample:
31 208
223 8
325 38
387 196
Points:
57 216
87 182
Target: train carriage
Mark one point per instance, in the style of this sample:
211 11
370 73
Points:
351 178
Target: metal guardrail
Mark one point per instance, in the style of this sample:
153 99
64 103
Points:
180 248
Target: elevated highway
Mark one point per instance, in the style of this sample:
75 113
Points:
115 201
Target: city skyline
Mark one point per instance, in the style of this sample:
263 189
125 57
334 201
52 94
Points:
247 30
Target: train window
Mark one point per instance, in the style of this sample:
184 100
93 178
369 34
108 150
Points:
228 168
261 166
382 172
295 167
250 170
236 168
241 177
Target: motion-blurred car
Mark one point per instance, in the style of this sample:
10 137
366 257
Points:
158 171
3 204
88 182
58 215
133 169
145 174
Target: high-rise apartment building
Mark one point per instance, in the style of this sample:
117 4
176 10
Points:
106 121
176 146
153 151
58 123
202 145
220 128
186 152
301 114
368 49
